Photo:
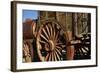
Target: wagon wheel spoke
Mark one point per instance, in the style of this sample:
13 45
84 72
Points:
45 33
50 57
58 47
57 55
58 51
81 52
42 36
60 44
48 30
86 49
47 57
56 37
51 30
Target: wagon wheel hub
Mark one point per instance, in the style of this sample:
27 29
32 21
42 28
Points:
51 44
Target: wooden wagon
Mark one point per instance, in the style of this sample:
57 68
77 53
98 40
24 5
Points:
58 36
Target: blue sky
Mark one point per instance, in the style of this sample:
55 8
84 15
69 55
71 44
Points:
29 14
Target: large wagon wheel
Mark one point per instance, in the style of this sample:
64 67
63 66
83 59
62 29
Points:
51 42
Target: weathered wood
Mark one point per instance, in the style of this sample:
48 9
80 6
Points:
74 24
69 49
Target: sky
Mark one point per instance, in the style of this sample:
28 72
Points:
29 14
